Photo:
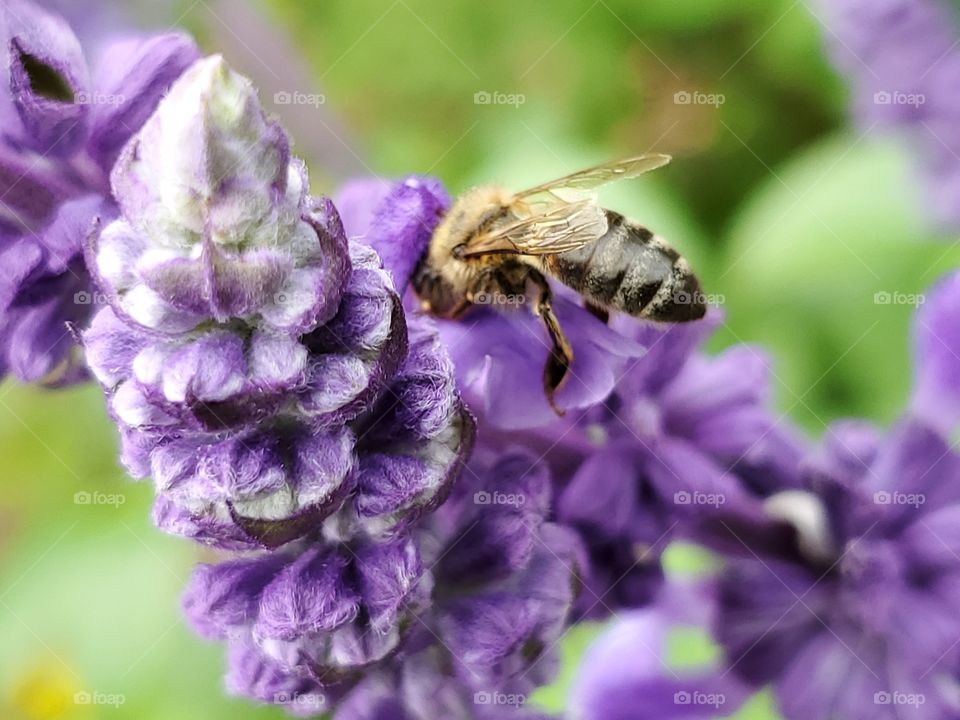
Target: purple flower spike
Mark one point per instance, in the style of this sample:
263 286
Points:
62 128
217 223
259 366
263 373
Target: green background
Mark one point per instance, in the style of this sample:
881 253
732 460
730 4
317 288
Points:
792 215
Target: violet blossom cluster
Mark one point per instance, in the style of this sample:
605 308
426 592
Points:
258 366
63 125
903 63
680 444
262 371
842 592
657 434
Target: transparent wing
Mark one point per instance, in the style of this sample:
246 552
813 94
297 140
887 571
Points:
556 229
602 174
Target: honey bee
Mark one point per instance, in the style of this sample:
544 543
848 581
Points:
493 243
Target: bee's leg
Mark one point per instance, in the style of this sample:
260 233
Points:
557 368
462 306
599 312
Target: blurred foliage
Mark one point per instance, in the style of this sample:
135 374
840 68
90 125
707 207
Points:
405 74
787 212
825 265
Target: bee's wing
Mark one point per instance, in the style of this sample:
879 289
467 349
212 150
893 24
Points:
602 174
558 228
555 225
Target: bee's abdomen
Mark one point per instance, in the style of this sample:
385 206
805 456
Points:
632 270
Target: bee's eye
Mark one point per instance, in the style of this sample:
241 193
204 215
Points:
459 250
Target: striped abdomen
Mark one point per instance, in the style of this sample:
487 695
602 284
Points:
631 270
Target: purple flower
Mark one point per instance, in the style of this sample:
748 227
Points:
657 433
63 126
844 595
466 607
259 368
936 347
903 61
624 675
683 436
323 611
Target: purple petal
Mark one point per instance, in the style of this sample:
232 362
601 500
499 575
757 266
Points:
501 521
308 596
389 483
130 79
667 349
500 359
110 347
389 573
915 462
357 201
218 285
403 223
761 625
47 78
209 369
251 674
607 688
936 390
695 483
226 596
603 492
32 190
19 261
